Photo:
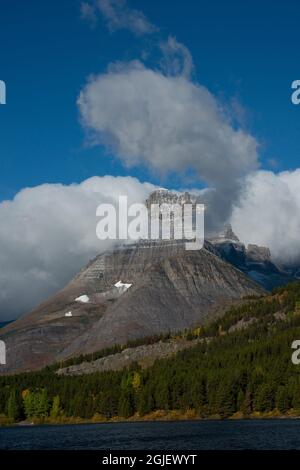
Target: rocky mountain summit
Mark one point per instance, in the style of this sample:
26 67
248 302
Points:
255 261
163 196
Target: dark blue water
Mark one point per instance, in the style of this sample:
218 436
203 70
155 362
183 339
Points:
196 435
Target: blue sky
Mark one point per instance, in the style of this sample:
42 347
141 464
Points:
244 51
206 102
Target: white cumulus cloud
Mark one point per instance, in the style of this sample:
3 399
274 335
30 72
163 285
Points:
268 213
170 124
47 233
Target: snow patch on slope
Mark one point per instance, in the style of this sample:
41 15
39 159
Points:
122 287
83 299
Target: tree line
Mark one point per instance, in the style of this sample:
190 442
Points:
233 370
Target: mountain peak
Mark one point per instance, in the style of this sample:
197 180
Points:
229 234
164 196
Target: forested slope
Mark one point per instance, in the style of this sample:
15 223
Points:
243 365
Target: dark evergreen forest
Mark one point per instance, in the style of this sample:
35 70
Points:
243 364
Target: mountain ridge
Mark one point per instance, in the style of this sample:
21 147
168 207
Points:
167 289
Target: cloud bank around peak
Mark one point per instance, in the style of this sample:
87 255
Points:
161 118
50 233
267 213
169 124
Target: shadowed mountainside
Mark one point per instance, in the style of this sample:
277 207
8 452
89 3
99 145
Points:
171 289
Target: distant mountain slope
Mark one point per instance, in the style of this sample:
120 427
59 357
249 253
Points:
172 289
255 261
254 319
5 323
173 293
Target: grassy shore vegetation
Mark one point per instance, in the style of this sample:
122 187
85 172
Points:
242 368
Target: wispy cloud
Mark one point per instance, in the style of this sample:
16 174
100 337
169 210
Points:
177 59
118 15
88 13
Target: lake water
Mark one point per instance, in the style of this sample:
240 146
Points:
195 435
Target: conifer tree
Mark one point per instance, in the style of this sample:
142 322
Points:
14 406
55 409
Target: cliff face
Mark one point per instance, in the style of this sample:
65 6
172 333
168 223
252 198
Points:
174 292
171 289
253 260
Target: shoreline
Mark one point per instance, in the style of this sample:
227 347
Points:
157 416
